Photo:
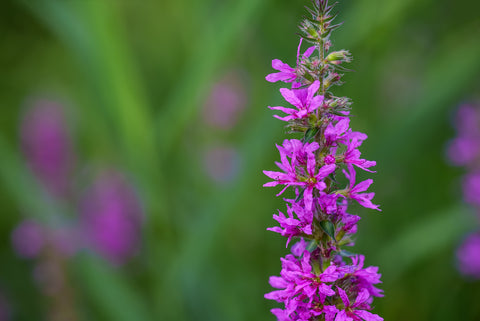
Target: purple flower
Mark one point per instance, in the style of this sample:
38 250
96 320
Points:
335 132
317 215
304 99
468 256
354 191
289 226
225 102
464 150
298 282
357 310
111 217
352 156
46 145
467 120
286 73
297 175
471 188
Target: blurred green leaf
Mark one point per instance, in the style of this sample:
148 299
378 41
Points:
424 239
329 228
111 292
24 188
449 74
209 51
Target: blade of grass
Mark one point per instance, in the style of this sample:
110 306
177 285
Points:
365 17
92 32
24 188
210 49
424 239
108 288
443 82
110 291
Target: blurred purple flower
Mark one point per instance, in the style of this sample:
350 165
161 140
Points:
28 239
463 150
111 217
221 163
471 188
467 120
225 102
468 255
46 144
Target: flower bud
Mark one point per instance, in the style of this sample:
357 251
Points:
337 57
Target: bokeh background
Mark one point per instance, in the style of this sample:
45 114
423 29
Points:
133 135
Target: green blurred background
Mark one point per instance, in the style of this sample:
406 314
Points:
137 78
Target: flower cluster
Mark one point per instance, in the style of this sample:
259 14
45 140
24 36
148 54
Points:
320 280
464 150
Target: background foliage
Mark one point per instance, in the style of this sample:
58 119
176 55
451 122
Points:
136 75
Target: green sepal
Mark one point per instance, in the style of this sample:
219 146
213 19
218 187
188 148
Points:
300 195
328 228
311 246
310 134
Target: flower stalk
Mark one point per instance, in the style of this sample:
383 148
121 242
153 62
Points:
320 279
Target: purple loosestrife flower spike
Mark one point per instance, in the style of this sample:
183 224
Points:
318 281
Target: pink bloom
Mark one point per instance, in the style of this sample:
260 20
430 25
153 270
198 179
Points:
286 73
464 150
471 188
357 310
337 131
304 176
298 282
352 156
354 191
468 256
304 99
289 226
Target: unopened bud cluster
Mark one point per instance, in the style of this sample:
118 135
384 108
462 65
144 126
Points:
320 279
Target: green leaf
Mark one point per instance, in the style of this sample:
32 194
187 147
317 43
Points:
311 246
110 290
310 134
424 239
328 228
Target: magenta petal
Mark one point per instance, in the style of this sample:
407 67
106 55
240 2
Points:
278 282
343 296
342 316
325 171
308 198
279 65
312 90
279 76
309 52
367 316
285 110
362 186
290 96
362 297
